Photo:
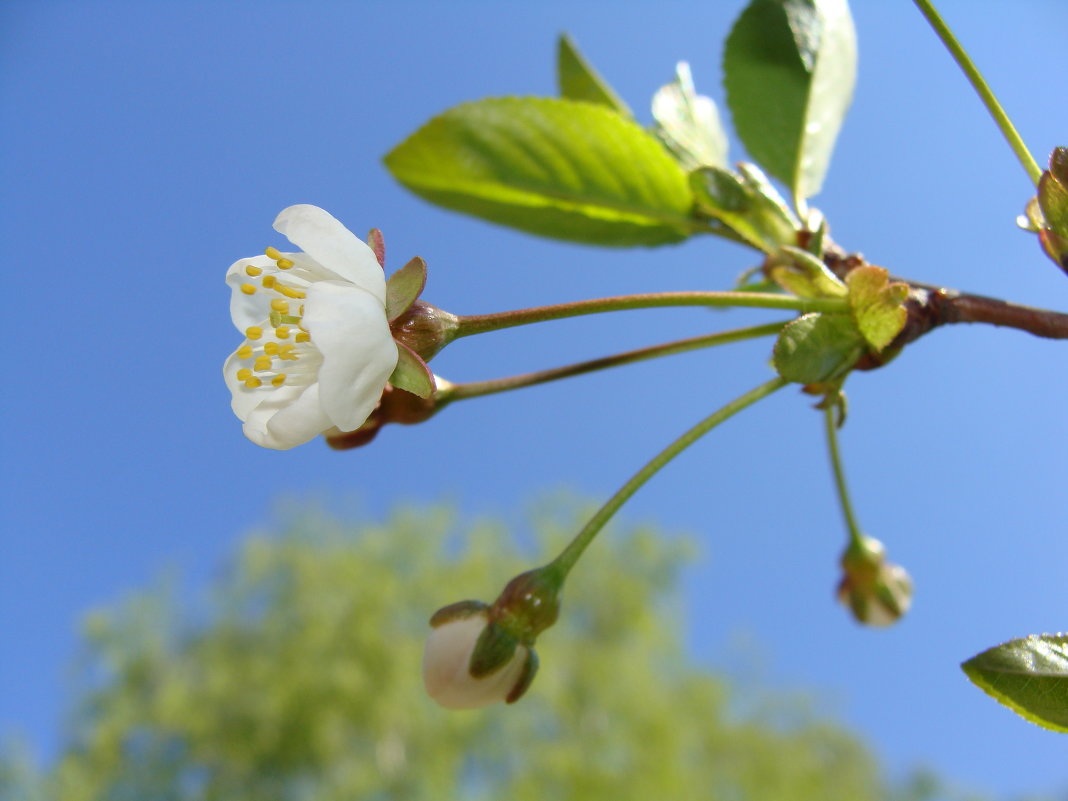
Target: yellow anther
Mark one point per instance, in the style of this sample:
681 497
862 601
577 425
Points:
262 363
282 332
286 352
302 336
244 352
278 380
254 332
252 269
268 281
253 382
244 374
290 292
284 264
270 348
280 306
248 289
273 253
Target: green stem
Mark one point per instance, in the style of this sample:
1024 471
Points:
563 563
476 389
481 323
855 535
982 89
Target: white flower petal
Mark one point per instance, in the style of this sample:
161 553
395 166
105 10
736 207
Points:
333 246
446 666
349 328
287 417
248 309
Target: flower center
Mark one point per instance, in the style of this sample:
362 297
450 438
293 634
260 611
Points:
271 352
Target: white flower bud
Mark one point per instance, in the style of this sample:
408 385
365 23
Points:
447 666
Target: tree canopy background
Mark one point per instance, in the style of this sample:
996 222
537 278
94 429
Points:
298 678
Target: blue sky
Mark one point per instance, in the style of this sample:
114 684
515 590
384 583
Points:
147 145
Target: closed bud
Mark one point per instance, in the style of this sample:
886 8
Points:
877 592
463 638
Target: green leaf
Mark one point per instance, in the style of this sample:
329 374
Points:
688 123
740 202
557 168
877 304
816 348
806 276
789 69
1029 675
404 287
411 373
578 80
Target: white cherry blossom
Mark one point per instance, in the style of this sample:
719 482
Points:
318 349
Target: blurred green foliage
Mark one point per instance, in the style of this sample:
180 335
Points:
300 679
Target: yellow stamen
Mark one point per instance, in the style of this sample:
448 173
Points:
273 253
252 269
244 352
254 332
268 281
284 264
282 332
278 380
253 382
286 352
302 336
262 363
270 348
279 305
248 289
290 292
244 374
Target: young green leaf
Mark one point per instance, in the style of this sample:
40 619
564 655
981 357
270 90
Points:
578 80
876 304
1029 675
742 203
789 68
816 348
688 123
558 168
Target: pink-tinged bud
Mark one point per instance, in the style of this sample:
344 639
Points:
447 661
877 593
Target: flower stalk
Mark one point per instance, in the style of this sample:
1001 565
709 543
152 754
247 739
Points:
482 323
986 94
563 563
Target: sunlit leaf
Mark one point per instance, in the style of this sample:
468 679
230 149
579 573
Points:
789 69
688 123
558 168
1029 675
816 348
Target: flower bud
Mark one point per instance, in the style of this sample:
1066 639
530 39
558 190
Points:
878 593
462 634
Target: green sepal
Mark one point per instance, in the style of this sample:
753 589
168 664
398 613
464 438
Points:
688 123
457 611
876 304
377 242
526 678
557 168
404 287
1029 675
411 373
578 80
817 348
798 271
1053 192
493 650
